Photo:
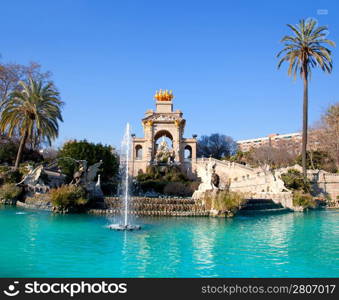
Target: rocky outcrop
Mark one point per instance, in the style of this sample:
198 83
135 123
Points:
38 201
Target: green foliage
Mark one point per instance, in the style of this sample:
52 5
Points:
9 191
167 180
224 201
92 153
33 110
163 173
153 185
320 160
294 180
303 199
306 46
11 176
4 169
180 189
68 197
68 167
241 157
9 149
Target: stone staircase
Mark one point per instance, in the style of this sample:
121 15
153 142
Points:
257 206
142 206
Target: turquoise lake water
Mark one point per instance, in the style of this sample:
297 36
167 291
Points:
40 244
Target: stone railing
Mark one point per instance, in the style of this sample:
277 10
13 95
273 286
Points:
225 163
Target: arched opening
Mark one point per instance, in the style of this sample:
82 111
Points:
161 137
188 153
138 152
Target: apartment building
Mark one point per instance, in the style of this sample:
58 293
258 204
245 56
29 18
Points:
291 140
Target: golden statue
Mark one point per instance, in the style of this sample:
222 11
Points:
163 95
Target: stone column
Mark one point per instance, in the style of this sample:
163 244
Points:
148 133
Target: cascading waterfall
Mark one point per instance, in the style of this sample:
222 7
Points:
125 180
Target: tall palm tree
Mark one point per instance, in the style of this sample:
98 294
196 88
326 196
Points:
304 50
33 112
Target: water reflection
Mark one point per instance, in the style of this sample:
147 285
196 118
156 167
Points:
292 245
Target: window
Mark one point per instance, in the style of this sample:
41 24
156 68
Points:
138 152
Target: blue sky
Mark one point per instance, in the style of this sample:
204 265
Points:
218 57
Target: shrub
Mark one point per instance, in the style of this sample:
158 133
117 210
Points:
12 176
177 189
153 185
109 187
9 149
303 200
224 201
9 191
294 180
230 201
4 169
319 160
163 173
68 197
167 180
8 152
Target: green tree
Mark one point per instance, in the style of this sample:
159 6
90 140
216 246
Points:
320 160
92 153
294 180
304 50
33 112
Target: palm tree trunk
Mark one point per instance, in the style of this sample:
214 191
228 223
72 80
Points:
21 149
305 123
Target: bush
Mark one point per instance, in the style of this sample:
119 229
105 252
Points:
167 180
294 180
180 189
224 202
68 197
163 173
9 191
320 160
8 151
11 176
303 200
153 185
229 201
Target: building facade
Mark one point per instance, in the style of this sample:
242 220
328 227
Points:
289 140
163 130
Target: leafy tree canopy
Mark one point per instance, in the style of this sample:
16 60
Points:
92 153
320 160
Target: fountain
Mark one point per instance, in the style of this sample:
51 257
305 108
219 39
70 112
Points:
125 181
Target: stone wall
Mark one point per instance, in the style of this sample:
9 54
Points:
284 198
327 184
243 178
257 180
145 206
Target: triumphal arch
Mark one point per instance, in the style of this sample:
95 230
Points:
163 142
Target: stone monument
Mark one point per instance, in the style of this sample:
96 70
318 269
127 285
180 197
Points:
164 122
